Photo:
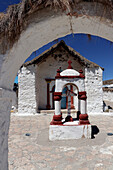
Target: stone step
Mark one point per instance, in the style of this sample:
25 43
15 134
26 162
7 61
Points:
64 111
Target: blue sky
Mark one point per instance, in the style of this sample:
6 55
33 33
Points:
5 3
97 49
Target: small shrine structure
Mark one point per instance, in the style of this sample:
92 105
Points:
70 128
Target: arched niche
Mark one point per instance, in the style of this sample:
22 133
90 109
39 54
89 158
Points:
74 98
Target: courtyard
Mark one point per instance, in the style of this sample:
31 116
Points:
30 148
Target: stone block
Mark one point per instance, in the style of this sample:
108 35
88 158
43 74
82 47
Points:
69 132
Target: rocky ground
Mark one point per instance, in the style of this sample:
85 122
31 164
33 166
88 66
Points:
30 148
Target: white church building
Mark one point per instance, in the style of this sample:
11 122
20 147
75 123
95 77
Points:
36 80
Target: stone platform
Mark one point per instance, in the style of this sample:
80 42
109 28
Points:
52 111
69 131
37 152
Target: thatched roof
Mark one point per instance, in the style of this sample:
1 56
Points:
15 20
85 62
107 89
108 82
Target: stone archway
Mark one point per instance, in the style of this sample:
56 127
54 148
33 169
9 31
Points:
54 27
44 26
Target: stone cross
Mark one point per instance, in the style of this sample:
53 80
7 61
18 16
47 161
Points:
69 66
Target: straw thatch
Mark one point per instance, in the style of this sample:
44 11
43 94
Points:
14 21
108 82
107 89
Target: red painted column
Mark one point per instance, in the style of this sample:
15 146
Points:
72 106
57 118
83 117
48 106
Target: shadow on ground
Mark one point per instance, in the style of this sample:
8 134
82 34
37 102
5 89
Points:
95 131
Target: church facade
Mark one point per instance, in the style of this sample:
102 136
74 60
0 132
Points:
36 80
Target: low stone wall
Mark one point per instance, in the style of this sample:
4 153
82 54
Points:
107 94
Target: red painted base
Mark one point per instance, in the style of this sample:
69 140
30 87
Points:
72 107
56 120
56 123
83 119
84 122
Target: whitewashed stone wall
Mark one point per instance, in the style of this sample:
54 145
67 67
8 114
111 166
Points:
93 86
108 95
27 90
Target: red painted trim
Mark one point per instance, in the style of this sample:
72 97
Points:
57 93
58 73
81 74
83 119
83 116
57 117
84 122
82 95
57 120
48 106
81 71
72 106
57 96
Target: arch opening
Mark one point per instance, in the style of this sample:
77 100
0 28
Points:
35 37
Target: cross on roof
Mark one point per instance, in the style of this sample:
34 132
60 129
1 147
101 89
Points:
69 66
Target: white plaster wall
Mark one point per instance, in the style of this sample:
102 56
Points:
108 95
27 91
60 83
93 86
